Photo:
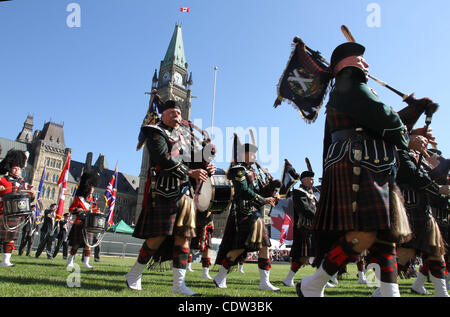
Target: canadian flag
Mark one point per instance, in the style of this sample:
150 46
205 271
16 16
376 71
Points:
62 183
284 228
184 9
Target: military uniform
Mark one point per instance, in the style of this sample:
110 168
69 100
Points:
29 232
245 228
245 215
11 184
305 203
362 136
421 193
168 189
304 210
83 203
168 208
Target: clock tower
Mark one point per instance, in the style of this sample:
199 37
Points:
172 82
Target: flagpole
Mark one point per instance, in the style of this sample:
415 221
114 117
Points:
214 100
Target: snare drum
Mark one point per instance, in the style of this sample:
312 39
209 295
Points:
216 194
16 204
95 223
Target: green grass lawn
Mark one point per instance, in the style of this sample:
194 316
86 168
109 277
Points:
41 277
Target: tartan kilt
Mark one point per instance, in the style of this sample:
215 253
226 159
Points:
302 244
5 235
237 238
204 232
425 229
334 212
76 236
159 219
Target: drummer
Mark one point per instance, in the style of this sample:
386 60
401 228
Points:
12 182
84 202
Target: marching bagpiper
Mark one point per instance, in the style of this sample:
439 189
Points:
245 230
167 219
304 210
359 207
421 193
12 182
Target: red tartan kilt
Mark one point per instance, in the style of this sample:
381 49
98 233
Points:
334 212
203 238
76 236
5 235
301 245
158 220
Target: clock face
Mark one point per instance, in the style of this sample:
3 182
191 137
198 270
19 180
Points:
178 79
166 77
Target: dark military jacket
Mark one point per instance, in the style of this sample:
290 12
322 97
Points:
415 184
246 188
169 151
352 104
304 206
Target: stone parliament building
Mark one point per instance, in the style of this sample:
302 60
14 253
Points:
47 148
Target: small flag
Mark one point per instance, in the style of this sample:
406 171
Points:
151 118
288 178
62 183
184 9
110 197
38 204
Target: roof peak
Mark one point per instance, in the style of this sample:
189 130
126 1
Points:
175 51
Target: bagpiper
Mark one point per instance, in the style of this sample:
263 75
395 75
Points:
245 230
305 203
359 207
167 219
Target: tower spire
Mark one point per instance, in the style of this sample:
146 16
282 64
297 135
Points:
175 51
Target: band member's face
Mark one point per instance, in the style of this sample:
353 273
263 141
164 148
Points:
91 191
249 157
15 171
308 181
357 61
171 117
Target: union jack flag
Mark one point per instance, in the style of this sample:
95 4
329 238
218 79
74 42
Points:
110 197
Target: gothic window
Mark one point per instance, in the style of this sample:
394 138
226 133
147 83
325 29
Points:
52 194
48 162
46 177
47 194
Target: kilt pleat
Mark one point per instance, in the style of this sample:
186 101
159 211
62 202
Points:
334 212
301 245
9 235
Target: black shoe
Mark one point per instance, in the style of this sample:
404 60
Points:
96 260
49 257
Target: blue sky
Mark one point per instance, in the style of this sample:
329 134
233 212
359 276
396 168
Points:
93 78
